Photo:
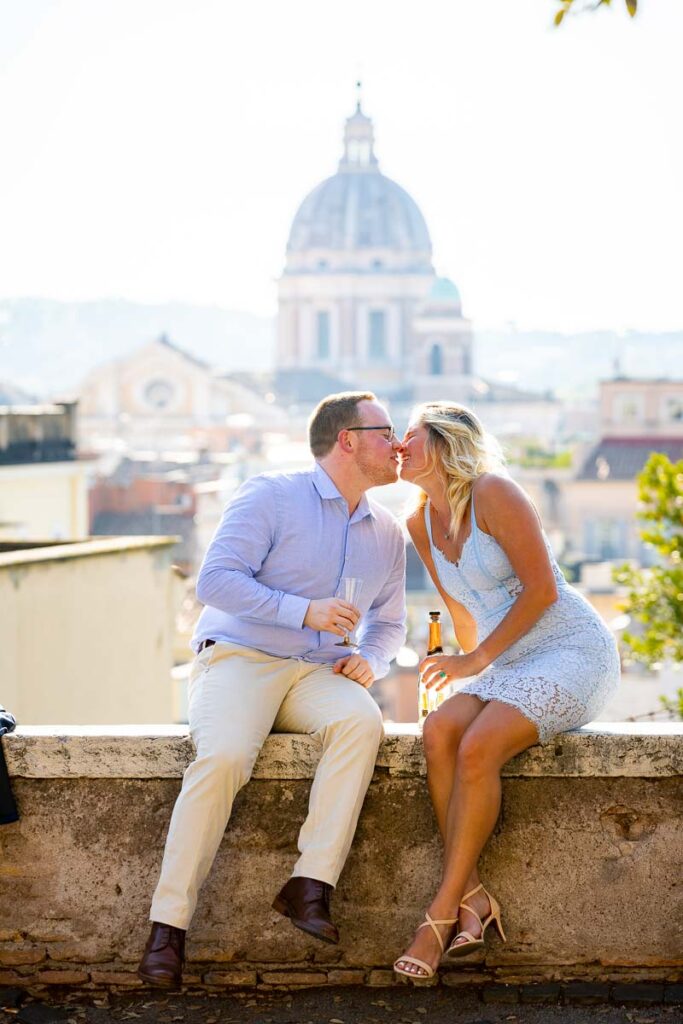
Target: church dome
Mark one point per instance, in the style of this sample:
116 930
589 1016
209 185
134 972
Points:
360 213
444 290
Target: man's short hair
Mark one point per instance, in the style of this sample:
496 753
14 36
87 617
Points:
332 414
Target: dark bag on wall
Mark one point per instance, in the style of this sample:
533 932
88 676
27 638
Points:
8 807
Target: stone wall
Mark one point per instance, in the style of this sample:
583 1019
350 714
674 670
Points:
81 624
586 861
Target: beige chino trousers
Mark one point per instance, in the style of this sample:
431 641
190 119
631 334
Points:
237 696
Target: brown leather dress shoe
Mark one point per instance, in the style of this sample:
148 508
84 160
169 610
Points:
162 961
306 902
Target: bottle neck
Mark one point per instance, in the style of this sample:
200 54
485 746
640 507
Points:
434 646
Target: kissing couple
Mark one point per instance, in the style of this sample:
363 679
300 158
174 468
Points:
272 654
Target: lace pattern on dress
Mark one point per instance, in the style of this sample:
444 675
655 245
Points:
563 670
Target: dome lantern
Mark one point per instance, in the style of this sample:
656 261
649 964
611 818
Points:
359 219
359 139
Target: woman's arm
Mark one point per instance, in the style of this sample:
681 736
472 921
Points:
464 625
505 511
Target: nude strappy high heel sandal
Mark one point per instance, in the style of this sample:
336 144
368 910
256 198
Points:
429 922
456 948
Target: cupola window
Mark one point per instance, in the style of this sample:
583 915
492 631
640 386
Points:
436 361
377 347
323 336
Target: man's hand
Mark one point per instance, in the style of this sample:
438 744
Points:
355 667
331 615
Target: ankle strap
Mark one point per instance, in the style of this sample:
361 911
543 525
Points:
432 923
471 893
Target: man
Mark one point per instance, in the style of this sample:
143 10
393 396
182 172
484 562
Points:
267 658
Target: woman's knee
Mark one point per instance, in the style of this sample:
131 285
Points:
476 755
441 734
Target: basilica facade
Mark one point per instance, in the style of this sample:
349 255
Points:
359 299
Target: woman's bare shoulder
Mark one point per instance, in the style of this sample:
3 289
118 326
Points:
491 488
500 501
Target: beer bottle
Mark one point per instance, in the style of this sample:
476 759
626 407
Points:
436 697
429 700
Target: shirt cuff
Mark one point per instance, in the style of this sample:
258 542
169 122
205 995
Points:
292 611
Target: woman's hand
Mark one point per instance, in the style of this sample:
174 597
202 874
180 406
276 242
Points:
439 670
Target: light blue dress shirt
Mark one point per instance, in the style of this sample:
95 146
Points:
287 539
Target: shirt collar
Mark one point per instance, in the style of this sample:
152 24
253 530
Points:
328 490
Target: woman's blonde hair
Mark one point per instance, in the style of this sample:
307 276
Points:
459 450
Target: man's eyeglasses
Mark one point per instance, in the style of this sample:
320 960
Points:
388 433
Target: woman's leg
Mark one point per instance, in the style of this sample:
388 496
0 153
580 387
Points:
441 735
496 734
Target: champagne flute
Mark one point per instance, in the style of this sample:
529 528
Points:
349 590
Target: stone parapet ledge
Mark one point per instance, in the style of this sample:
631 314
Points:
585 861
601 750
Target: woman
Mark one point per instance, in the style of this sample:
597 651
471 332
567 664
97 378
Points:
542 659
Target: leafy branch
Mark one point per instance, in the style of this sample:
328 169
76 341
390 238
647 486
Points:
570 7
655 595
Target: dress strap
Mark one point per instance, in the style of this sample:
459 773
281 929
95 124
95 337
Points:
473 514
475 542
428 520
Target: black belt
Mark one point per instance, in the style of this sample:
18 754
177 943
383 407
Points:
205 643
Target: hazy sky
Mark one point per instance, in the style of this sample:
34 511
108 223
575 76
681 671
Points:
158 150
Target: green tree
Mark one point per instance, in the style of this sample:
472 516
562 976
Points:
571 7
655 595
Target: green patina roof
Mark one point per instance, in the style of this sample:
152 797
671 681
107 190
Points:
443 288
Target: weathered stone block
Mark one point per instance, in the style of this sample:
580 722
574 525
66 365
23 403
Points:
462 979
123 978
288 978
638 994
382 978
673 994
232 979
62 977
500 994
586 993
340 977
12 978
548 993
13 957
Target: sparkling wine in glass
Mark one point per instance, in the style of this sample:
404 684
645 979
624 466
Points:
349 590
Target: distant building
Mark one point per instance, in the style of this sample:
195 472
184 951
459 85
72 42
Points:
360 304
359 298
152 499
42 485
161 397
638 417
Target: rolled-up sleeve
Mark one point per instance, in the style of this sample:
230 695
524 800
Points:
383 628
237 551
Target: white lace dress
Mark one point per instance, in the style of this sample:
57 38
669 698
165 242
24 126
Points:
564 670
